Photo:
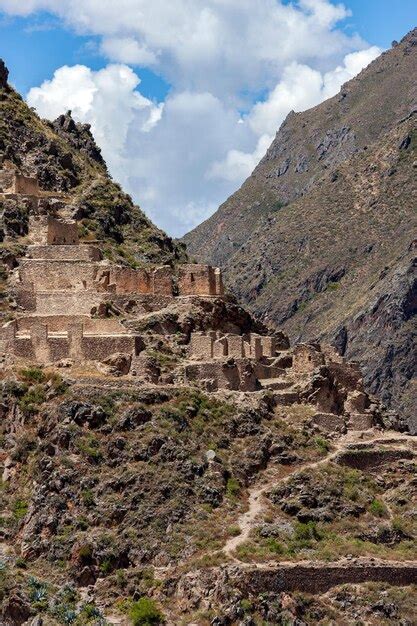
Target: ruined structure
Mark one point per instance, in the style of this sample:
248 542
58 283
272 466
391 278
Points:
61 283
72 305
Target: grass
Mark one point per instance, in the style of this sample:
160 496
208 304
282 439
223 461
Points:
29 403
20 509
32 375
89 446
232 488
322 444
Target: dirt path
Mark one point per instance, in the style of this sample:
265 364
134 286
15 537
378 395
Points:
256 502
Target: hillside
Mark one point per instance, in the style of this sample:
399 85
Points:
165 457
64 158
319 239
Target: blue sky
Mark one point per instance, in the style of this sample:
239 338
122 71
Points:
185 98
42 39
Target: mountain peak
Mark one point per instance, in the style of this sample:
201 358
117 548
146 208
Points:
4 74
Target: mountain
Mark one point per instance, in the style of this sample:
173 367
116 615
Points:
165 457
65 158
320 239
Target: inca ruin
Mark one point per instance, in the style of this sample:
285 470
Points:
71 306
169 456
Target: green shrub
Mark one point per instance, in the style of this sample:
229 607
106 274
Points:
234 531
246 605
88 497
377 508
307 530
20 508
322 444
30 402
144 612
333 286
33 375
232 488
85 553
275 546
90 447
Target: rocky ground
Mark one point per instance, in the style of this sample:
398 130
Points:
113 493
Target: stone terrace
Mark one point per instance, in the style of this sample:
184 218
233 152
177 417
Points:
61 283
71 305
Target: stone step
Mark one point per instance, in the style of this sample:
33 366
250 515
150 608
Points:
274 383
286 398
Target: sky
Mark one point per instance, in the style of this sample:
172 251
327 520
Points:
184 97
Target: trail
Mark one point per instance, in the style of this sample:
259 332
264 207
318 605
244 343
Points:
256 502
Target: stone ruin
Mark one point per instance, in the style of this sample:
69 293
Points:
61 284
305 373
13 183
62 288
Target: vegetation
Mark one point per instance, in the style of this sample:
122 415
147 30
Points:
145 612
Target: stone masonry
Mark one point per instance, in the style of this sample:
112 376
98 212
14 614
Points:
61 282
64 288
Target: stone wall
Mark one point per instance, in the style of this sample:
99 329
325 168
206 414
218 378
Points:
60 323
12 182
43 346
58 275
47 230
64 253
307 357
235 375
200 280
55 302
204 346
6 181
322 577
369 459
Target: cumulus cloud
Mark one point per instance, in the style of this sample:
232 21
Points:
300 88
107 99
223 46
127 50
181 158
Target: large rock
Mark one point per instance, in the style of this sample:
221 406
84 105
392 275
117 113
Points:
4 74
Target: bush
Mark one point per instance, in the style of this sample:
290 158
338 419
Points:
377 508
144 612
307 531
32 375
20 508
246 605
322 444
232 488
29 403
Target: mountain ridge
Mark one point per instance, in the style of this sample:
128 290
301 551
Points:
310 256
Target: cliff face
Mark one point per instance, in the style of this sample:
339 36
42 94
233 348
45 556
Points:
65 158
319 240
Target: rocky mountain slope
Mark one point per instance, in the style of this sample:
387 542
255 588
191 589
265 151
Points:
320 240
65 158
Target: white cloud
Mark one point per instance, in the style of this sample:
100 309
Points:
239 165
221 46
106 99
127 50
300 88
181 158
